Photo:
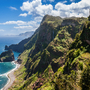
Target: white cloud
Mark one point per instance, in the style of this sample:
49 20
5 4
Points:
1 30
30 6
19 22
24 14
43 9
38 19
74 9
23 27
13 8
26 28
36 8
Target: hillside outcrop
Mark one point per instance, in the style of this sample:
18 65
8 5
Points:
7 56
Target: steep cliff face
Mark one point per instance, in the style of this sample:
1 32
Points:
7 56
74 26
44 57
77 65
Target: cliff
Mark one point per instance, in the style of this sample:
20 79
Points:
74 75
7 56
47 57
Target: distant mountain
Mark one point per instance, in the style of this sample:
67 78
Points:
27 34
20 46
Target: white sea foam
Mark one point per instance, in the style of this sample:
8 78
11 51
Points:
6 74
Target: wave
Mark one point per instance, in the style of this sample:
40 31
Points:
13 63
6 74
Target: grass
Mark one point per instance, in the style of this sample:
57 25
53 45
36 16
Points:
86 55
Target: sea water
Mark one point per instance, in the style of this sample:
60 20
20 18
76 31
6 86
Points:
7 66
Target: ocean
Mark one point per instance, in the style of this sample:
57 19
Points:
5 67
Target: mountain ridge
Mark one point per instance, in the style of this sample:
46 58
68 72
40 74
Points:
46 59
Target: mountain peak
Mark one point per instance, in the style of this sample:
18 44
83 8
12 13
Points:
50 18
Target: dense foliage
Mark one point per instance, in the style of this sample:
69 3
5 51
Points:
52 58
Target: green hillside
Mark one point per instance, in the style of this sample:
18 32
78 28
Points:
52 59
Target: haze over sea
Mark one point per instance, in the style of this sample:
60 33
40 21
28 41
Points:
7 66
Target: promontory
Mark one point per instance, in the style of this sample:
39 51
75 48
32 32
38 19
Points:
7 56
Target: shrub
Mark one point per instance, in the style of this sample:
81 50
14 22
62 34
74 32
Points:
81 65
85 79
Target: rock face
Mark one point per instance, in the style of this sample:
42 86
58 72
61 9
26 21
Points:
7 56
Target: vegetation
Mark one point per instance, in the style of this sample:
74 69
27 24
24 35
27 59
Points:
56 57
85 79
7 56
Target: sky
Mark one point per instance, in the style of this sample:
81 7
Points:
20 16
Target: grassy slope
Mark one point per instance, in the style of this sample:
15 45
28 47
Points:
41 68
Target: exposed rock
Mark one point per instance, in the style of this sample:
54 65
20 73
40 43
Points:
7 56
72 22
19 61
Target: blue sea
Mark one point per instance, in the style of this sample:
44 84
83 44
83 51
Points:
7 66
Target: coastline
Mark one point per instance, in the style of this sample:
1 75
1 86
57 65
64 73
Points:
11 77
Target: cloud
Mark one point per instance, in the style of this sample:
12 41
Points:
30 6
24 14
19 22
13 8
23 27
74 9
38 19
36 8
1 30
43 10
